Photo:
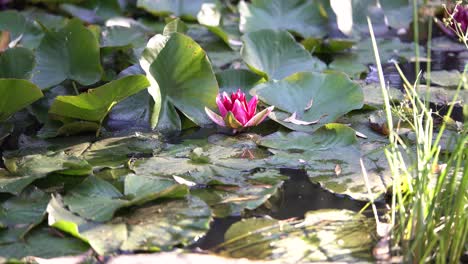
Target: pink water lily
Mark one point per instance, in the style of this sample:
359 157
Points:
236 112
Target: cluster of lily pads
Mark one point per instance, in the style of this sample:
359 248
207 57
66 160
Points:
88 161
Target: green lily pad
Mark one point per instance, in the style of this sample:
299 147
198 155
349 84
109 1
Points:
220 24
16 63
18 216
445 78
43 243
200 163
71 53
398 13
97 200
153 227
22 30
16 94
232 80
307 101
120 37
337 167
324 235
96 104
181 78
23 212
329 136
276 55
94 11
298 16
256 190
362 54
23 170
116 151
181 8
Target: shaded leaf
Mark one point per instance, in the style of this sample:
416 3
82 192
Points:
71 53
151 228
276 55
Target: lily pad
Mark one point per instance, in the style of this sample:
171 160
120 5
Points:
181 8
23 170
334 165
276 55
153 227
307 101
445 78
97 200
16 63
299 16
116 151
21 29
22 213
122 37
256 190
16 94
329 136
324 235
19 215
181 78
95 104
362 55
71 53
43 243
200 163
232 80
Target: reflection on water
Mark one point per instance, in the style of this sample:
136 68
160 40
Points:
296 197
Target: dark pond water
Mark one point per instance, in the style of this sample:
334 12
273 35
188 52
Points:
296 197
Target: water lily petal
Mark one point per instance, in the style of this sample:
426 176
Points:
231 121
215 117
252 106
227 102
258 118
239 111
222 109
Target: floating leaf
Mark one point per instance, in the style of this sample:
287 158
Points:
43 243
71 53
21 29
181 78
96 103
151 228
232 80
329 136
97 200
276 55
445 78
298 16
324 235
254 192
293 95
362 54
26 169
16 63
23 212
16 94
184 8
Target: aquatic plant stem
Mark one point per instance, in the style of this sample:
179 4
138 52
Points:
416 39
